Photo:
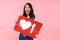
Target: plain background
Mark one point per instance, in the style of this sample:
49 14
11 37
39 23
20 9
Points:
47 12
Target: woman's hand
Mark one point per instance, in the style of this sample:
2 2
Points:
37 35
16 23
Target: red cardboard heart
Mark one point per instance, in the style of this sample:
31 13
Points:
24 24
27 26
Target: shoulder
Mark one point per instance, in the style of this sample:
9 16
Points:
35 19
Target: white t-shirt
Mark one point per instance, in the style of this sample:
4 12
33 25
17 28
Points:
29 17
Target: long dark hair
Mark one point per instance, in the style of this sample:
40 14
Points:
31 14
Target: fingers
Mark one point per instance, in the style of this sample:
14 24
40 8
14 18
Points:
37 35
16 23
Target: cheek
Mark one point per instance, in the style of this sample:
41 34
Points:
27 9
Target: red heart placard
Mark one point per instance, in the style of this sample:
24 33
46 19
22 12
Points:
27 26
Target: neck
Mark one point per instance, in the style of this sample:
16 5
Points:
27 15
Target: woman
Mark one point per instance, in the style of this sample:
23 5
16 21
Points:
29 13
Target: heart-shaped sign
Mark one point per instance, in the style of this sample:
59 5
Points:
25 24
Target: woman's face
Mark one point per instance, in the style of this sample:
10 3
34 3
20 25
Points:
27 9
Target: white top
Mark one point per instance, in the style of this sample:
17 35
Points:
29 17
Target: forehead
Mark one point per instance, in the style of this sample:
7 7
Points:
26 5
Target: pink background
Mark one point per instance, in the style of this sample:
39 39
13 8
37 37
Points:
46 11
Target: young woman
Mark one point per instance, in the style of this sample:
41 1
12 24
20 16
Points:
29 13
